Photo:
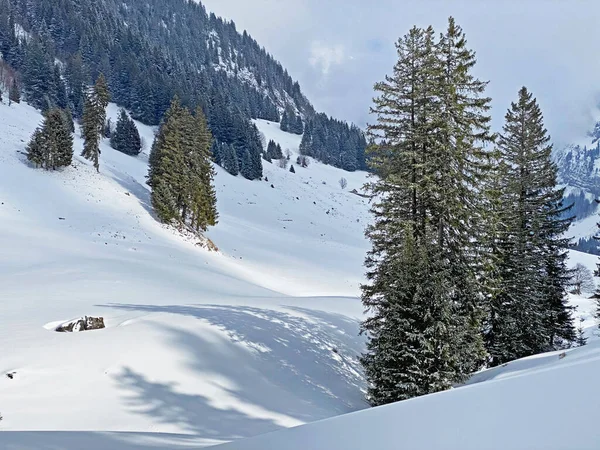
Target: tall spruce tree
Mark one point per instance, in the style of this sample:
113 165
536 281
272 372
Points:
203 198
51 145
462 161
423 296
94 117
530 313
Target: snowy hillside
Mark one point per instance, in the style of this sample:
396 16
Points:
205 347
181 320
545 402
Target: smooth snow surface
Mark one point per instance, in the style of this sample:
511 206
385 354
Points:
216 345
539 403
205 347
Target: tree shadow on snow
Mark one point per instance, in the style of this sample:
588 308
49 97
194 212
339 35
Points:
135 188
95 440
284 368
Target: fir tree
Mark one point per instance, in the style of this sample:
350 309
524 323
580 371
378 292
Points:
51 145
126 137
530 313
94 117
36 148
202 195
166 162
292 169
285 121
14 94
423 295
229 159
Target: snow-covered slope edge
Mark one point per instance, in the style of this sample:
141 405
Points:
217 346
545 402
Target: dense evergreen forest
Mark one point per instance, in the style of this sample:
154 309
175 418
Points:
334 142
149 52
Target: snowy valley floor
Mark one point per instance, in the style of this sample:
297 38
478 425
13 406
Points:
202 347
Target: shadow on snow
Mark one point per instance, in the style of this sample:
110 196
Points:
285 368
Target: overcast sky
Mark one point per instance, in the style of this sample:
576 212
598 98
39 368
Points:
337 49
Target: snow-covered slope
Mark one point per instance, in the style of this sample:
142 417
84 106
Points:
547 402
204 347
219 345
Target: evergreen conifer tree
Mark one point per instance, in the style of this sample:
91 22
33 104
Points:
94 117
202 195
423 295
530 313
126 137
229 159
285 121
14 94
51 145
36 148
292 169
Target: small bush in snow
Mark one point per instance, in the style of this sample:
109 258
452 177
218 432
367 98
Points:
582 280
343 183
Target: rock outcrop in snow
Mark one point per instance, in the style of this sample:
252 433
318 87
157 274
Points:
82 324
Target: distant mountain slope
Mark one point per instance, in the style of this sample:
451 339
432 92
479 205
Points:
579 173
151 50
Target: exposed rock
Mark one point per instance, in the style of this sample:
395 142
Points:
83 324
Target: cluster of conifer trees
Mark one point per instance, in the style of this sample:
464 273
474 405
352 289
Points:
291 122
125 137
51 146
468 261
273 151
181 171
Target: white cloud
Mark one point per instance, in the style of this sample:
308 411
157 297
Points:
324 56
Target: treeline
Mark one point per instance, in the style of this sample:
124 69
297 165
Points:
578 170
583 206
468 262
149 51
334 142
